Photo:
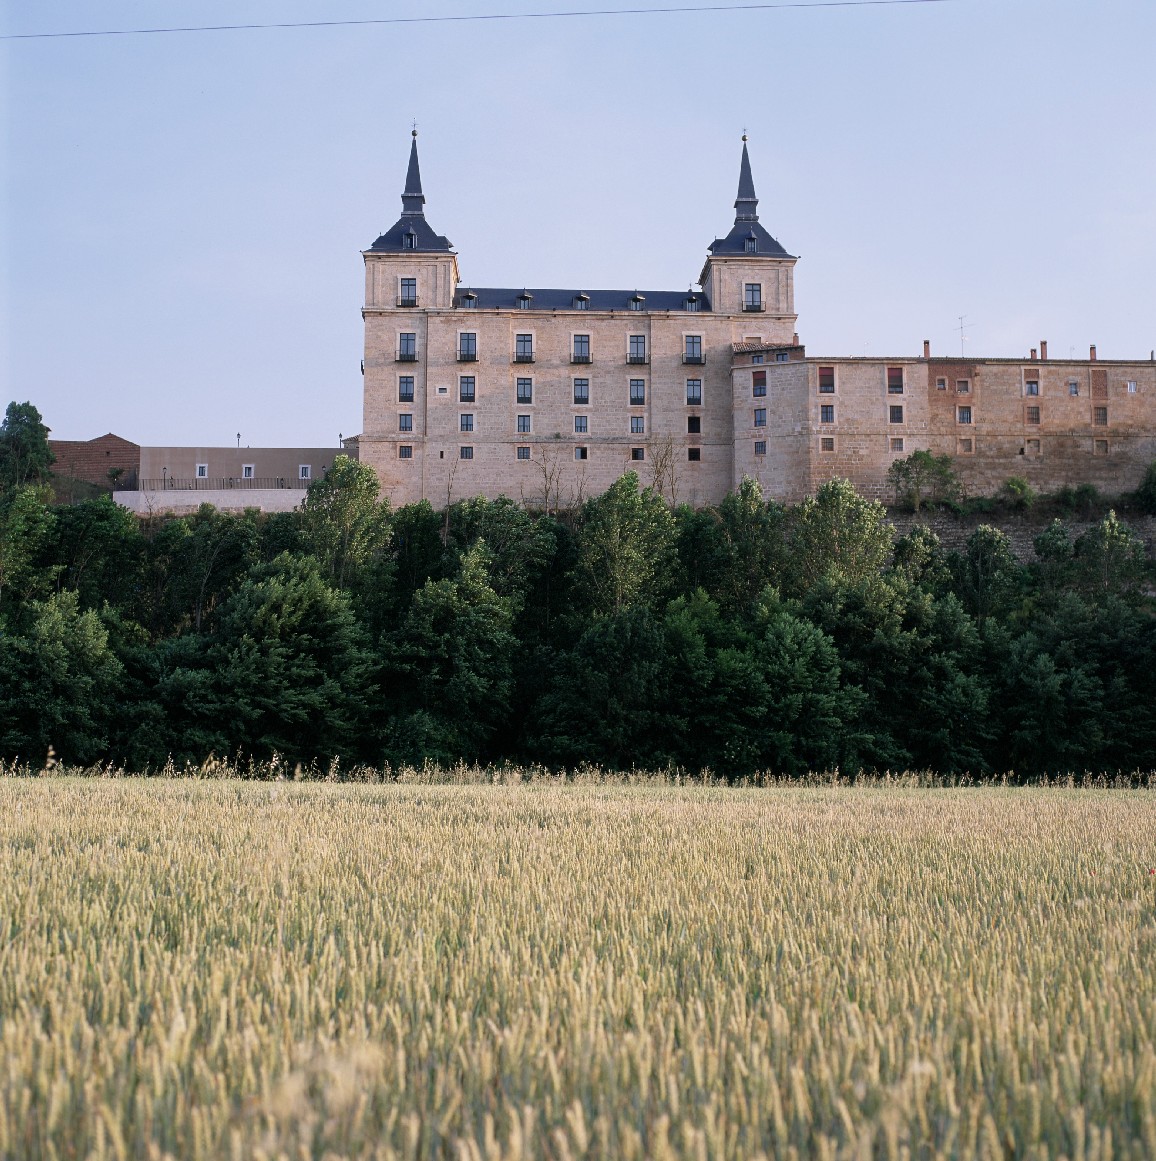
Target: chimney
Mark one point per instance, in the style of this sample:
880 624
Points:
795 338
1092 353
927 348
1033 354
1043 350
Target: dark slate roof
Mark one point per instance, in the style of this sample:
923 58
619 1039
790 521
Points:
412 218
491 298
747 220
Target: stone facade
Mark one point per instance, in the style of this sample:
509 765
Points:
547 396
92 460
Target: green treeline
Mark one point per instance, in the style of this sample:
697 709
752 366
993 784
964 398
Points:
742 638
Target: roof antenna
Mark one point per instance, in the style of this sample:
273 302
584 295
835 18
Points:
962 337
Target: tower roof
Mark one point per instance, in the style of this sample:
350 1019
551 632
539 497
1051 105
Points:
746 229
411 231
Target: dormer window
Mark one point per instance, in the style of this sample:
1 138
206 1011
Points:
691 302
468 301
409 240
637 302
581 302
523 300
752 245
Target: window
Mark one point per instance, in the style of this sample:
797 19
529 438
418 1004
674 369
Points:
636 303
752 245
826 380
760 447
782 356
753 296
1100 416
637 425
894 380
407 347
405 422
304 472
581 453
757 360
468 301
827 443
897 445
827 413
523 453
466 422
966 446
523 300
202 471
465 453
581 349
247 472
408 292
524 424
581 391
581 424
963 386
941 384
405 451
895 413
466 389
1131 386
1033 415
637 349
523 348
1100 447
637 392
467 347
1031 387
525 390
759 383
409 240
694 393
581 302
963 414
694 454
693 349
1073 387
637 453
691 303
405 389
694 425
760 417
1032 447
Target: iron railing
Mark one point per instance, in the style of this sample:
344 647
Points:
407 356
406 300
751 307
216 484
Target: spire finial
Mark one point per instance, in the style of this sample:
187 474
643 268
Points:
412 198
746 204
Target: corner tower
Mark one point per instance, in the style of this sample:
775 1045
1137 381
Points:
748 272
409 265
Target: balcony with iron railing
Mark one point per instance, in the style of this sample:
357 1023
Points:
406 300
467 356
637 360
524 357
407 356
694 360
754 307
576 358
219 483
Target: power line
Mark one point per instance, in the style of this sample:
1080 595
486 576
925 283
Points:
462 19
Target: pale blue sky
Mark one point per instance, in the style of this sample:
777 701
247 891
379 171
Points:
184 213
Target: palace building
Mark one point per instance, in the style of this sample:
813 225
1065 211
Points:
548 395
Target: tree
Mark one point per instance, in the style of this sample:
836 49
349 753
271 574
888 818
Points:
449 666
25 525
987 576
923 478
626 549
100 551
836 532
753 549
25 457
342 523
58 684
1109 560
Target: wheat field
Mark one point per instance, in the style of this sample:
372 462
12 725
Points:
204 969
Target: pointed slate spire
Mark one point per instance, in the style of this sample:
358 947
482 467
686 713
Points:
413 199
746 204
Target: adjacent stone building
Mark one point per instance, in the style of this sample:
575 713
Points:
548 395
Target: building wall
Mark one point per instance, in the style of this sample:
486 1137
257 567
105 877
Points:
92 459
436 470
272 467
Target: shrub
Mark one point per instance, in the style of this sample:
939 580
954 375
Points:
1018 493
